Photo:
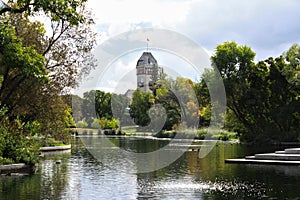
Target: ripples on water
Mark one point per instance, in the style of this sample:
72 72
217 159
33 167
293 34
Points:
191 189
81 176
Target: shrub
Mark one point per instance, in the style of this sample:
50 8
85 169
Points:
109 123
15 146
81 124
96 124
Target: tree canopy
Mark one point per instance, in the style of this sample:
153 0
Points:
39 64
57 9
263 96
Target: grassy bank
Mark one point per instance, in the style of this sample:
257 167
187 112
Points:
200 134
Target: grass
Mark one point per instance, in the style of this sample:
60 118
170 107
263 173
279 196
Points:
201 134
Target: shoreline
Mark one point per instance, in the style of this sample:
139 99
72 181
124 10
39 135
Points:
20 169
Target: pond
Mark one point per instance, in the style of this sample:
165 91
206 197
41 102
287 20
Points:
79 175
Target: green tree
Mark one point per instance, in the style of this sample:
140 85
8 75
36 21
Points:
75 102
268 102
259 95
58 10
180 102
234 62
139 107
292 69
19 65
119 104
88 107
36 69
103 104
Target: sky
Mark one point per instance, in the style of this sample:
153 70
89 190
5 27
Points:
269 27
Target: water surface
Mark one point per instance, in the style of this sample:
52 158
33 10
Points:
81 176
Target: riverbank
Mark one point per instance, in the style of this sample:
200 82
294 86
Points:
55 148
22 169
200 134
19 169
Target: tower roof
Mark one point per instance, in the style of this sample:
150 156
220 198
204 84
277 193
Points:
146 59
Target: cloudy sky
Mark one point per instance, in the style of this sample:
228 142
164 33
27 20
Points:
269 27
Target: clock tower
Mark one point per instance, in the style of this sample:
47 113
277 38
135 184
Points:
147 71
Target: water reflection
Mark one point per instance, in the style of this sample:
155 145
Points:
81 176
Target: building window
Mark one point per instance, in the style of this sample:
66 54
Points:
140 70
148 71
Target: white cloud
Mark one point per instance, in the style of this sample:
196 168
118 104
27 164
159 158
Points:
124 15
136 11
269 27
266 26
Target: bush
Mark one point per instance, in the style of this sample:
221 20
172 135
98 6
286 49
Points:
200 134
96 124
81 124
15 147
109 123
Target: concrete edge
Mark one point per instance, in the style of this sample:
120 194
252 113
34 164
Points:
56 148
17 169
255 161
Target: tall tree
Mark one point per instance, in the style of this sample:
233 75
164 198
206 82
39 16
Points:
88 107
234 63
37 68
292 69
103 104
19 64
260 95
139 107
119 105
58 10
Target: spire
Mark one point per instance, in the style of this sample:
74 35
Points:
147 43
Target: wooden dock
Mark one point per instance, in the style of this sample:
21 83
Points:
289 156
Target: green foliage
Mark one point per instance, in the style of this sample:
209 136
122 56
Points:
35 70
119 104
180 102
88 106
15 146
203 97
103 104
232 123
82 124
292 69
200 134
95 104
99 104
57 9
96 124
109 123
139 108
263 96
68 119
175 96
15 56
50 142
